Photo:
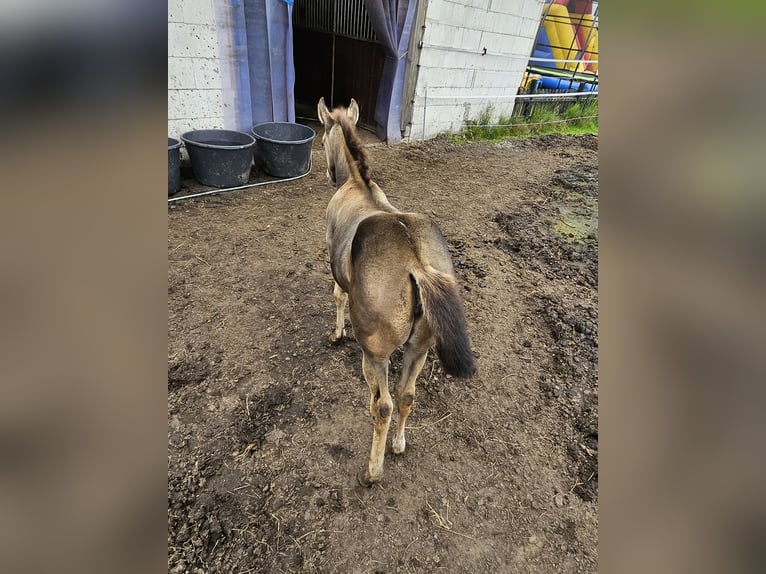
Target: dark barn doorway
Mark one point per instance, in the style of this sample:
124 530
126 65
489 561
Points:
336 56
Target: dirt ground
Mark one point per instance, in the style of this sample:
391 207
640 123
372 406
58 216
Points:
268 423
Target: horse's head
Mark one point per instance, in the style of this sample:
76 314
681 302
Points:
333 140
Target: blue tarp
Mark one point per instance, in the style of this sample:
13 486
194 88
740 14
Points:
392 21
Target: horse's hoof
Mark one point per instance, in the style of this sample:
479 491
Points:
361 478
335 340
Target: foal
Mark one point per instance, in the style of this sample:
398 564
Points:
395 271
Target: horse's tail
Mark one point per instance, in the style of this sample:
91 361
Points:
443 310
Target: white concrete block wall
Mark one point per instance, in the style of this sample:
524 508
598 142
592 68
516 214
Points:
195 96
455 81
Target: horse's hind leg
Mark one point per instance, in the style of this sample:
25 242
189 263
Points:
415 353
376 374
340 297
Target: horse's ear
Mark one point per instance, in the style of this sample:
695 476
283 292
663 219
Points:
353 111
322 112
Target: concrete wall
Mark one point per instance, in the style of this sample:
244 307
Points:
194 78
455 81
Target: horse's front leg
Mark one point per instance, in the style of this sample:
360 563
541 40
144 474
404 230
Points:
340 297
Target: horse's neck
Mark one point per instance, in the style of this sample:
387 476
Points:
348 179
342 172
345 168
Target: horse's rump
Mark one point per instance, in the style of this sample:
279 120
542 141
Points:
381 293
402 266
401 238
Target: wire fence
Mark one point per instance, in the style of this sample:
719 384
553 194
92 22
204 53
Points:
522 124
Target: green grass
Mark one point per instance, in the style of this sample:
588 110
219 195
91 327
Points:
542 118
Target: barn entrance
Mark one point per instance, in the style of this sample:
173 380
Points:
336 56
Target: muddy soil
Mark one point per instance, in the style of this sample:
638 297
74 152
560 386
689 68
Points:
268 423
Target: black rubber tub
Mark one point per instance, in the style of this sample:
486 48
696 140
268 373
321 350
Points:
174 165
284 148
221 158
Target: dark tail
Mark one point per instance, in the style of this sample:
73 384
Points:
443 311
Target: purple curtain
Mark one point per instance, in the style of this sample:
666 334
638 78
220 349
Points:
256 39
392 21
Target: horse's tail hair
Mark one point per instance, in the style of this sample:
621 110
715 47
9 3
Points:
443 310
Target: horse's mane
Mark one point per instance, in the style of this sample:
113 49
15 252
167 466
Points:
355 146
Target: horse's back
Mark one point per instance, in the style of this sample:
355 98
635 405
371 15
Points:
397 240
429 242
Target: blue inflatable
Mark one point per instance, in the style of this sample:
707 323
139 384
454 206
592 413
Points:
549 83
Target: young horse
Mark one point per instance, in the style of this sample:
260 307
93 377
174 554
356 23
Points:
396 273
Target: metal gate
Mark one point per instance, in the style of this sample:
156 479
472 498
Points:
345 17
337 56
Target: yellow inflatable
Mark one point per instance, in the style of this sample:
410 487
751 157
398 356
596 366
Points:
587 35
562 37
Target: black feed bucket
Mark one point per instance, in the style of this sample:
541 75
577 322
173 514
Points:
174 165
284 148
221 158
